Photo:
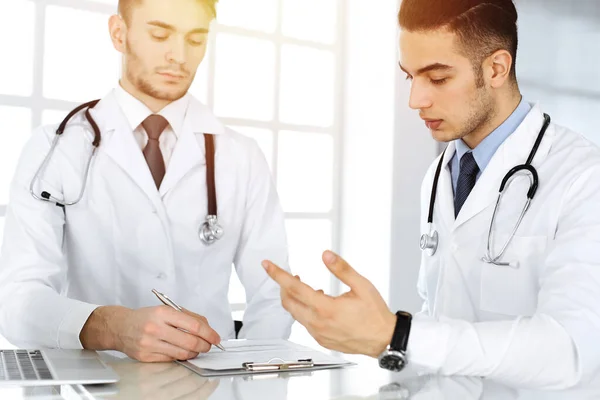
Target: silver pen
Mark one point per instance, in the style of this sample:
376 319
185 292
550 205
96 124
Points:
168 302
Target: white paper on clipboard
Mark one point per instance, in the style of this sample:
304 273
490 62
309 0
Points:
259 351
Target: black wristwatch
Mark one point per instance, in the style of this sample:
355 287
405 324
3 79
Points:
394 357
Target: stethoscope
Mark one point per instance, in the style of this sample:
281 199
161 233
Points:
209 232
429 241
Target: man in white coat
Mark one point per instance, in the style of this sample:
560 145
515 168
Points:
533 317
81 275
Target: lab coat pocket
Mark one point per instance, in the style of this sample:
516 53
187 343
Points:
513 290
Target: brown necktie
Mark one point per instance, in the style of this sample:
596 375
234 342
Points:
154 126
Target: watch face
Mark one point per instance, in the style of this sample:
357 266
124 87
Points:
392 362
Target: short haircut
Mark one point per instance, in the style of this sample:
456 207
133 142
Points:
126 7
482 26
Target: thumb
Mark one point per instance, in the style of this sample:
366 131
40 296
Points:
345 273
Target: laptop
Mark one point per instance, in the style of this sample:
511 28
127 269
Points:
53 367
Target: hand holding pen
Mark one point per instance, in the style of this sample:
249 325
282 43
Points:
168 302
149 334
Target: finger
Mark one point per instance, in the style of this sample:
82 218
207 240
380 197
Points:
184 340
160 351
299 311
344 272
173 351
291 285
199 317
192 325
325 294
153 358
193 314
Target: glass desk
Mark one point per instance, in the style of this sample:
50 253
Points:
169 381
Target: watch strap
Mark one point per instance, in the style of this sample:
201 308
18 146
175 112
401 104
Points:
401 332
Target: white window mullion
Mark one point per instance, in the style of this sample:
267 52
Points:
38 64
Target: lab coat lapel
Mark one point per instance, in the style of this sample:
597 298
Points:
445 195
119 144
514 151
189 152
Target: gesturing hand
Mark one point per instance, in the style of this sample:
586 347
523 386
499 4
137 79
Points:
359 321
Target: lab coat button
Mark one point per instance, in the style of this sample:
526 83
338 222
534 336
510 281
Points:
453 247
161 275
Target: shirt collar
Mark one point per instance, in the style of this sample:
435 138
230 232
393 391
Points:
136 112
484 152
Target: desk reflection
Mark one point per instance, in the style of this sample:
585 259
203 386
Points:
154 381
365 381
170 381
468 388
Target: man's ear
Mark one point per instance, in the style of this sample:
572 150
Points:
118 32
497 67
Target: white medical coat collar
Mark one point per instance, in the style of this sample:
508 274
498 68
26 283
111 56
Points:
514 151
198 116
120 145
136 112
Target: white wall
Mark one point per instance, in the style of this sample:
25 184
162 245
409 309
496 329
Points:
368 137
558 63
414 150
370 62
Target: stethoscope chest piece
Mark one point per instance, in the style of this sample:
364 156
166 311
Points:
429 243
210 231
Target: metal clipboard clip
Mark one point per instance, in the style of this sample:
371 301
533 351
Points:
282 365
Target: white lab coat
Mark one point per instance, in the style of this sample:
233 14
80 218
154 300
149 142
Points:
125 237
537 324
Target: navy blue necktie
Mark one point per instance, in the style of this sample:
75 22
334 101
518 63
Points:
466 180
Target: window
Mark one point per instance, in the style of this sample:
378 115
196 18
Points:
272 72
275 80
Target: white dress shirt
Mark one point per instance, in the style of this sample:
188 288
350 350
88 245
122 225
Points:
136 112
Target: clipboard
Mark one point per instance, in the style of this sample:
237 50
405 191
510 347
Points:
277 364
272 366
250 357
